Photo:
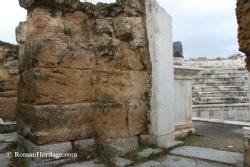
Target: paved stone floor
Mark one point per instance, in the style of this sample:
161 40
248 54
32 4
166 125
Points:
196 156
218 136
212 135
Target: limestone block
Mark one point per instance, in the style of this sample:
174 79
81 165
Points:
120 162
50 53
105 25
21 33
56 86
84 145
111 122
122 57
7 101
120 147
147 139
243 18
148 152
123 86
130 29
27 4
11 93
9 84
56 123
8 108
29 147
43 24
137 118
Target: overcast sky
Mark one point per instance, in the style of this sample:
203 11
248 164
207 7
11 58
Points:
206 27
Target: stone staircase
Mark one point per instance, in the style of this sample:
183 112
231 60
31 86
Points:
221 94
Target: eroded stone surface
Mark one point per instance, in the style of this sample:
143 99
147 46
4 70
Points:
148 152
243 18
70 57
120 147
8 80
120 162
150 164
30 3
8 137
229 158
84 164
56 123
84 145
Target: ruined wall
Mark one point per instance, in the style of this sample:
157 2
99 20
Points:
8 81
85 71
243 18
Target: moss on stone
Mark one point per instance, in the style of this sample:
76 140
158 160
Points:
107 100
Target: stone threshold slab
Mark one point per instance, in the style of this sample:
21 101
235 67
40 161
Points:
207 154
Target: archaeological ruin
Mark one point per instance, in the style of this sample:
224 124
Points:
220 90
94 74
9 77
108 77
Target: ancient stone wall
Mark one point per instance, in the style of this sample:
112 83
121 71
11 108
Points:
8 81
220 91
243 18
85 72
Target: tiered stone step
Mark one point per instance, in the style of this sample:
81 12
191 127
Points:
205 88
231 112
221 94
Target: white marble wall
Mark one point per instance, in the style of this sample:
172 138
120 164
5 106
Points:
183 99
159 28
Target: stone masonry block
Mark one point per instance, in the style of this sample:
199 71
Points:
49 53
123 86
56 86
29 147
56 123
111 122
27 4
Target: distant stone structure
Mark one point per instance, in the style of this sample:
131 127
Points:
9 75
220 91
87 77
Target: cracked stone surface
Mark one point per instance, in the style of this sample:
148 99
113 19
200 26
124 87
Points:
149 151
120 162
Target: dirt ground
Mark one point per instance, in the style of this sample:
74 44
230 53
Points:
217 135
